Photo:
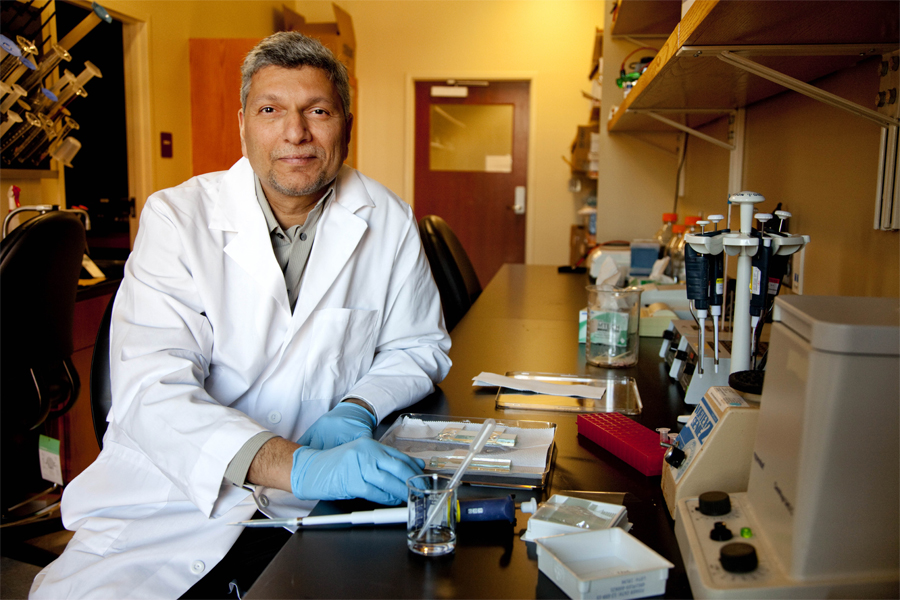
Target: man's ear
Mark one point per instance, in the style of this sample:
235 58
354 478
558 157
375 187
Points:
347 131
241 130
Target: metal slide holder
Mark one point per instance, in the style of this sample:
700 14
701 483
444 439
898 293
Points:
744 244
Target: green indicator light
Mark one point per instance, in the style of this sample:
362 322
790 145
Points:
746 532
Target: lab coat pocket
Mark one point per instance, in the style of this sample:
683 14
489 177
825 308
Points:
340 349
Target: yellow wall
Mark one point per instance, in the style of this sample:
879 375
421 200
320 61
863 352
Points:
170 25
636 180
549 41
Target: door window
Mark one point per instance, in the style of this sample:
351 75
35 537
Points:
471 137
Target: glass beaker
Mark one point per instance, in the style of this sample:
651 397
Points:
425 492
613 322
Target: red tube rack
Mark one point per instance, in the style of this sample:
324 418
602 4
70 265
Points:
632 442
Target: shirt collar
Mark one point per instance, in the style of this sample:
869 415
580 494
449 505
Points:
271 221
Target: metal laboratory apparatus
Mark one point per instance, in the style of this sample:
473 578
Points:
821 514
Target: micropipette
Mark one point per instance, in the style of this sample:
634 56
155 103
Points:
359 517
470 510
759 280
716 287
481 439
697 274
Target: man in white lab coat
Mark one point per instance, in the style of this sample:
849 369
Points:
285 299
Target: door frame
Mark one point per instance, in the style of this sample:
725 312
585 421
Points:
138 125
409 147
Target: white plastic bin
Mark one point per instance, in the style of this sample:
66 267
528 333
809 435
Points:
608 563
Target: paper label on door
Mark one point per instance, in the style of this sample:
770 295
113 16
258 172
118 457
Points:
498 164
48 453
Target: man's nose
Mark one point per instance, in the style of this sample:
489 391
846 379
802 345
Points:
296 130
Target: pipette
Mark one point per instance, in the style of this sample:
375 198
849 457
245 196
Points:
480 440
360 517
716 287
759 281
471 510
697 274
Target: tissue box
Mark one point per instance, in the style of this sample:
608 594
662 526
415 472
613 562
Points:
608 563
613 324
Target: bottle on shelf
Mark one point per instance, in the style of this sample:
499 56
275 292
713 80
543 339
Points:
675 252
664 233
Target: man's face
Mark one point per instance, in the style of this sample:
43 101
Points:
294 131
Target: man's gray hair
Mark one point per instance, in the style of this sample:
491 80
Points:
292 50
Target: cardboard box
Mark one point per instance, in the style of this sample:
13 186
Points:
580 242
337 37
584 149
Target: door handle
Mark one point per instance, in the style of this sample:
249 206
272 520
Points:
519 206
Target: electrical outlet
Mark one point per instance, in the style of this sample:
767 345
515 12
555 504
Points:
888 100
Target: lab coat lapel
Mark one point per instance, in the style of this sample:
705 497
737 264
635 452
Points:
337 236
237 210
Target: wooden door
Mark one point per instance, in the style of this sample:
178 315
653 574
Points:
471 156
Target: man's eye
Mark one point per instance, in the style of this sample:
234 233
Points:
267 109
319 111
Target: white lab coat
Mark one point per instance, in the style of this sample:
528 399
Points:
205 353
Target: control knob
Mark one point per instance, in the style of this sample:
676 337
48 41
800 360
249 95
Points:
720 532
675 456
715 504
738 557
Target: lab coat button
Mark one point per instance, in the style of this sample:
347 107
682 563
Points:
274 417
197 567
263 500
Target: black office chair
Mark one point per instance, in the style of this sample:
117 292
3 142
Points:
453 272
101 392
40 263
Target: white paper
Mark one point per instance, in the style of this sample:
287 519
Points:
541 387
498 163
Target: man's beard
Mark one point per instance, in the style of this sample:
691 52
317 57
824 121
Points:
321 181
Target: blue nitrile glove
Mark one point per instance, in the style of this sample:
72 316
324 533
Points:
362 468
343 423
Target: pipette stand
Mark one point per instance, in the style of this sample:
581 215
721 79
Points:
744 245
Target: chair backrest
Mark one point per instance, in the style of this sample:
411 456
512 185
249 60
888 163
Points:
453 272
101 390
40 263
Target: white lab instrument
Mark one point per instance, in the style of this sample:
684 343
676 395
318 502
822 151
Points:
713 450
820 515
695 387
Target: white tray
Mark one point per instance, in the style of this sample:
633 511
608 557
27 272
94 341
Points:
608 563
529 476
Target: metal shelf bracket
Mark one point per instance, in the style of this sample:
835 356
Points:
806 89
654 113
